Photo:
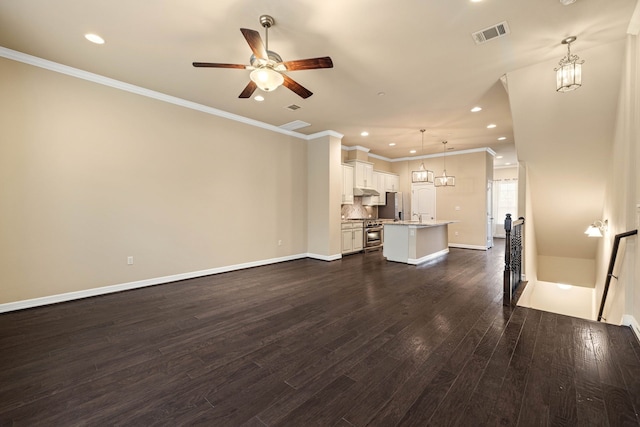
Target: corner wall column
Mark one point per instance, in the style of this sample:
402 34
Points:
324 185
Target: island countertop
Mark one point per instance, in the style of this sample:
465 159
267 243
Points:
429 223
414 242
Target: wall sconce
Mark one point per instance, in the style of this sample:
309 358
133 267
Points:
597 228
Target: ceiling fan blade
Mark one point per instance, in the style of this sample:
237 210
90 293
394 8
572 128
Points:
217 65
308 64
255 43
248 91
296 87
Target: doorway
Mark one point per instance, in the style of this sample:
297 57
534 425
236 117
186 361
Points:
423 201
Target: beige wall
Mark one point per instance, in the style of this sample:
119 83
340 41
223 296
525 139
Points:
380 165
570 271
622 199
90 175
505 173
472 171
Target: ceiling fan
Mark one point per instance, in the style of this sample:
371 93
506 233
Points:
268 68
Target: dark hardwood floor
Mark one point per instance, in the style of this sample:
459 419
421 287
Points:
353 342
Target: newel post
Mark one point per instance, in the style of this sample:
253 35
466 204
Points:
507 261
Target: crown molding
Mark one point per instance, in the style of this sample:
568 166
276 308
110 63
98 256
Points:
322 134
431 156
359 148
127 87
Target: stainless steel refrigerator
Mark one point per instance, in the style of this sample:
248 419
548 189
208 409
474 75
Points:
394 207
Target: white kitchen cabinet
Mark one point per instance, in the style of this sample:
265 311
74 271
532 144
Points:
347 184
363 174
352 237
379 186
391 183
384 182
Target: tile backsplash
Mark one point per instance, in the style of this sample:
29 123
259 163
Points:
358 210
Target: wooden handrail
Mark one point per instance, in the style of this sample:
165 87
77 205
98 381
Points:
612 263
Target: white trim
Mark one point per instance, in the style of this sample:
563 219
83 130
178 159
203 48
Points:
463 246
634 25
323 133
428 156
414 261
117 84
629 320
360 148
325 257
70 296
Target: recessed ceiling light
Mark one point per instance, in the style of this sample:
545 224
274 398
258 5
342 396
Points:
499 157
94 38
476 109
392 144
476 1
502 138
364 133
507 164
381 94
259 98
413 151
491 126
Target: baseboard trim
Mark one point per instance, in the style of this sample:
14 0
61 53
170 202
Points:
325 257
463 246
629 320
416 261
70 296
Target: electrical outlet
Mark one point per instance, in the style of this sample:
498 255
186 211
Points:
279 242
130 260
456 233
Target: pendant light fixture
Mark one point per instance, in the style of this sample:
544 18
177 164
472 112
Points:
445 180
422 174
569 72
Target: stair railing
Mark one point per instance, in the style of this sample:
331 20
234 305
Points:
512 258
612 263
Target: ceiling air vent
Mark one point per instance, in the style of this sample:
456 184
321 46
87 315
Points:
292 107
493 32
296 124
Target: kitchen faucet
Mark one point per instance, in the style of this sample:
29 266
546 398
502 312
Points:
419 216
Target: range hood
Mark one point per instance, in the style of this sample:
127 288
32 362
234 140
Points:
365 192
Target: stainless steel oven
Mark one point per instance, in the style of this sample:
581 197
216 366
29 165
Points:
373 235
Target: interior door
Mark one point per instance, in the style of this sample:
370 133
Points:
489 214
423 202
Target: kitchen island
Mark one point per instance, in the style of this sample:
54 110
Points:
414 242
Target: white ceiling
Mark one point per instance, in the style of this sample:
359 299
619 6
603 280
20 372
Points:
420 54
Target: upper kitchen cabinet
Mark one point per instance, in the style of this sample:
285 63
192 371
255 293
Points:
347 184
391 183
363 174
383 182
378 185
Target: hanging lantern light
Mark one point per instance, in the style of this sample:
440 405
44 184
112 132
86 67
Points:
422 174
445 180
569 72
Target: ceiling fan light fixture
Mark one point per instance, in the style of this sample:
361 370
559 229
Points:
266 78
